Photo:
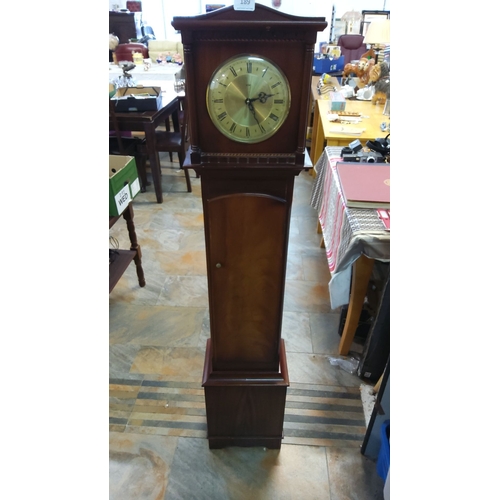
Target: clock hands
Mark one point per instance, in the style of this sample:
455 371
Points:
248 102
262 97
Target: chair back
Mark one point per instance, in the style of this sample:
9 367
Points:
116 127
125 51
351 47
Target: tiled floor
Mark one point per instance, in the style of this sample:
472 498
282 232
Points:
157 334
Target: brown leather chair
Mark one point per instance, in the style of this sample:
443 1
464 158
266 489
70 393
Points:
124 51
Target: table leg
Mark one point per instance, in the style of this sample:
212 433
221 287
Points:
154 160
320 231
361 274
175 120
128 215
317 138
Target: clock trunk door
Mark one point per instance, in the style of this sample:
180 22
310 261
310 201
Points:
246 253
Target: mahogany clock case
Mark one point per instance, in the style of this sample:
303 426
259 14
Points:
210 39
247 192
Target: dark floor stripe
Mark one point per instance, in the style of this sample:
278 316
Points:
197 426
171 397
115 420
166 383
323 420
322 407
124 381
322 394
320 435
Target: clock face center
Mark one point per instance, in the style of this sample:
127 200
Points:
242 100
248 98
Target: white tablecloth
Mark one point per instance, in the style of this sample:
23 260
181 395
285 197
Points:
158 74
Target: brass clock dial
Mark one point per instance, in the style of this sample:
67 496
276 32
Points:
248 98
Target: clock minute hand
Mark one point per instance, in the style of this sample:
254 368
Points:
248 102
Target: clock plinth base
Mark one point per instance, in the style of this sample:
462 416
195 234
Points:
216 443
245 408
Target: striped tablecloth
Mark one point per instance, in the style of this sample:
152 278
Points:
347 232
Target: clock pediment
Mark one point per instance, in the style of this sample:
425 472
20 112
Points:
227 16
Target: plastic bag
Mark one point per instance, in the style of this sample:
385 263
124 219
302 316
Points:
349 365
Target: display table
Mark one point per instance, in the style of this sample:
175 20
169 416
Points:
323 128
148 122
157 73
353 237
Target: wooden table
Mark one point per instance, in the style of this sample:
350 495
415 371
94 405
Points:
322 135
353 237
148 122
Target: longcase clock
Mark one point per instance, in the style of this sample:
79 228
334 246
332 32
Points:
248 78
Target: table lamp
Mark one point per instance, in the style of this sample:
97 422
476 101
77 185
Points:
378 35
351 18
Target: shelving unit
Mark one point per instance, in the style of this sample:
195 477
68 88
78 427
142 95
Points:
123 258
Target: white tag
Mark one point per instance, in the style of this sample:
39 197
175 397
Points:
244 4
135 187
122 199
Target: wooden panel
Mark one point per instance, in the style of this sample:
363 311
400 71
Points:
285 140
245 410
247 234
252 416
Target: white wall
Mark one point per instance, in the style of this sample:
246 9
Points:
159 13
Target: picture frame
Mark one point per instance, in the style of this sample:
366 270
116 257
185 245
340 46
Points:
210 7
367 16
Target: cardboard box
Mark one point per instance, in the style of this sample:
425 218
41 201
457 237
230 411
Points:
137 99
327 65
337 101
123 183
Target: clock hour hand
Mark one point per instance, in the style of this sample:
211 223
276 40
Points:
263 96
248 102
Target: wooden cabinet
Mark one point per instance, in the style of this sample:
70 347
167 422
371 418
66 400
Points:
125 25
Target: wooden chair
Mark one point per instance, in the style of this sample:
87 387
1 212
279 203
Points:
183 118
119 144
182 115
169 142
